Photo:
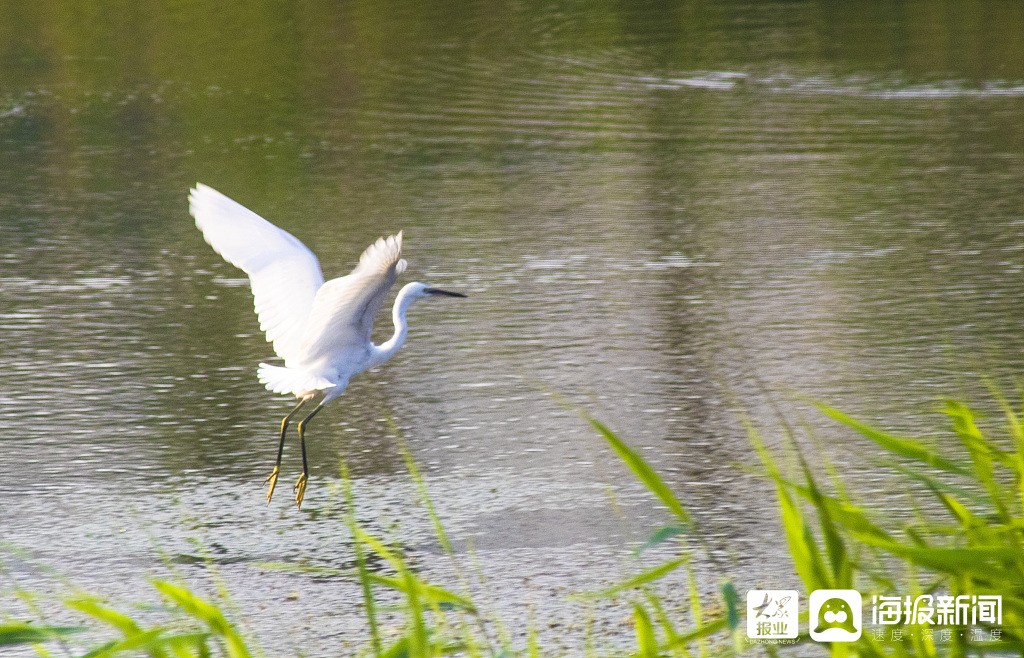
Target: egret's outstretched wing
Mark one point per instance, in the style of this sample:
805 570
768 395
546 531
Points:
344 308
283 273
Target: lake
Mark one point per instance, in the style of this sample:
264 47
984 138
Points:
668 214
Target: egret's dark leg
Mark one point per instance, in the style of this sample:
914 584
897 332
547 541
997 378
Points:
300 486
272 480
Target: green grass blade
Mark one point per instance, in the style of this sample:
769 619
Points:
660 536
94 609
378 547
532 644
696 610
153 642
989 560
399 649
700 633
418 641
642 470
636 581
424 493
22 633
179 643
732 607
1017 432
207 613
982 452
902 446
431 593
835 547
100 651
803 548
971 495
662 618
352 522
850 517
645 638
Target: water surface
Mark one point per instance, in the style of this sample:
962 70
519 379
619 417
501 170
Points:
664 215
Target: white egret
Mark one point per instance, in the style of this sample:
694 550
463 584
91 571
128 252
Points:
320 329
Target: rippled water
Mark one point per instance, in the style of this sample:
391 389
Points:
663 218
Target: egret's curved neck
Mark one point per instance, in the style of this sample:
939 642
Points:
387 349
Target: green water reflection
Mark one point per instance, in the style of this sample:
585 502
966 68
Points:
654 207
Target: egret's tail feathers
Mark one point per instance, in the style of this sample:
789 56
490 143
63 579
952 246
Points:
290 380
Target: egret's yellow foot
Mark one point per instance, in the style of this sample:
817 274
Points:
272 481
300 490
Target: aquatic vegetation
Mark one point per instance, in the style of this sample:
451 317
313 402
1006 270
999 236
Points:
974 548
969 543
198 628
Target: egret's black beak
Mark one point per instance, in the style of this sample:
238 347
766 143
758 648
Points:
442 293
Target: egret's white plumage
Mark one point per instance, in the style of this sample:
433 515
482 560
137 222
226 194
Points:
322 330
283 273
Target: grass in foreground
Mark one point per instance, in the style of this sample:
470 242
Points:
974 546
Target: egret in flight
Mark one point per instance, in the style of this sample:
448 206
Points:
321 329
